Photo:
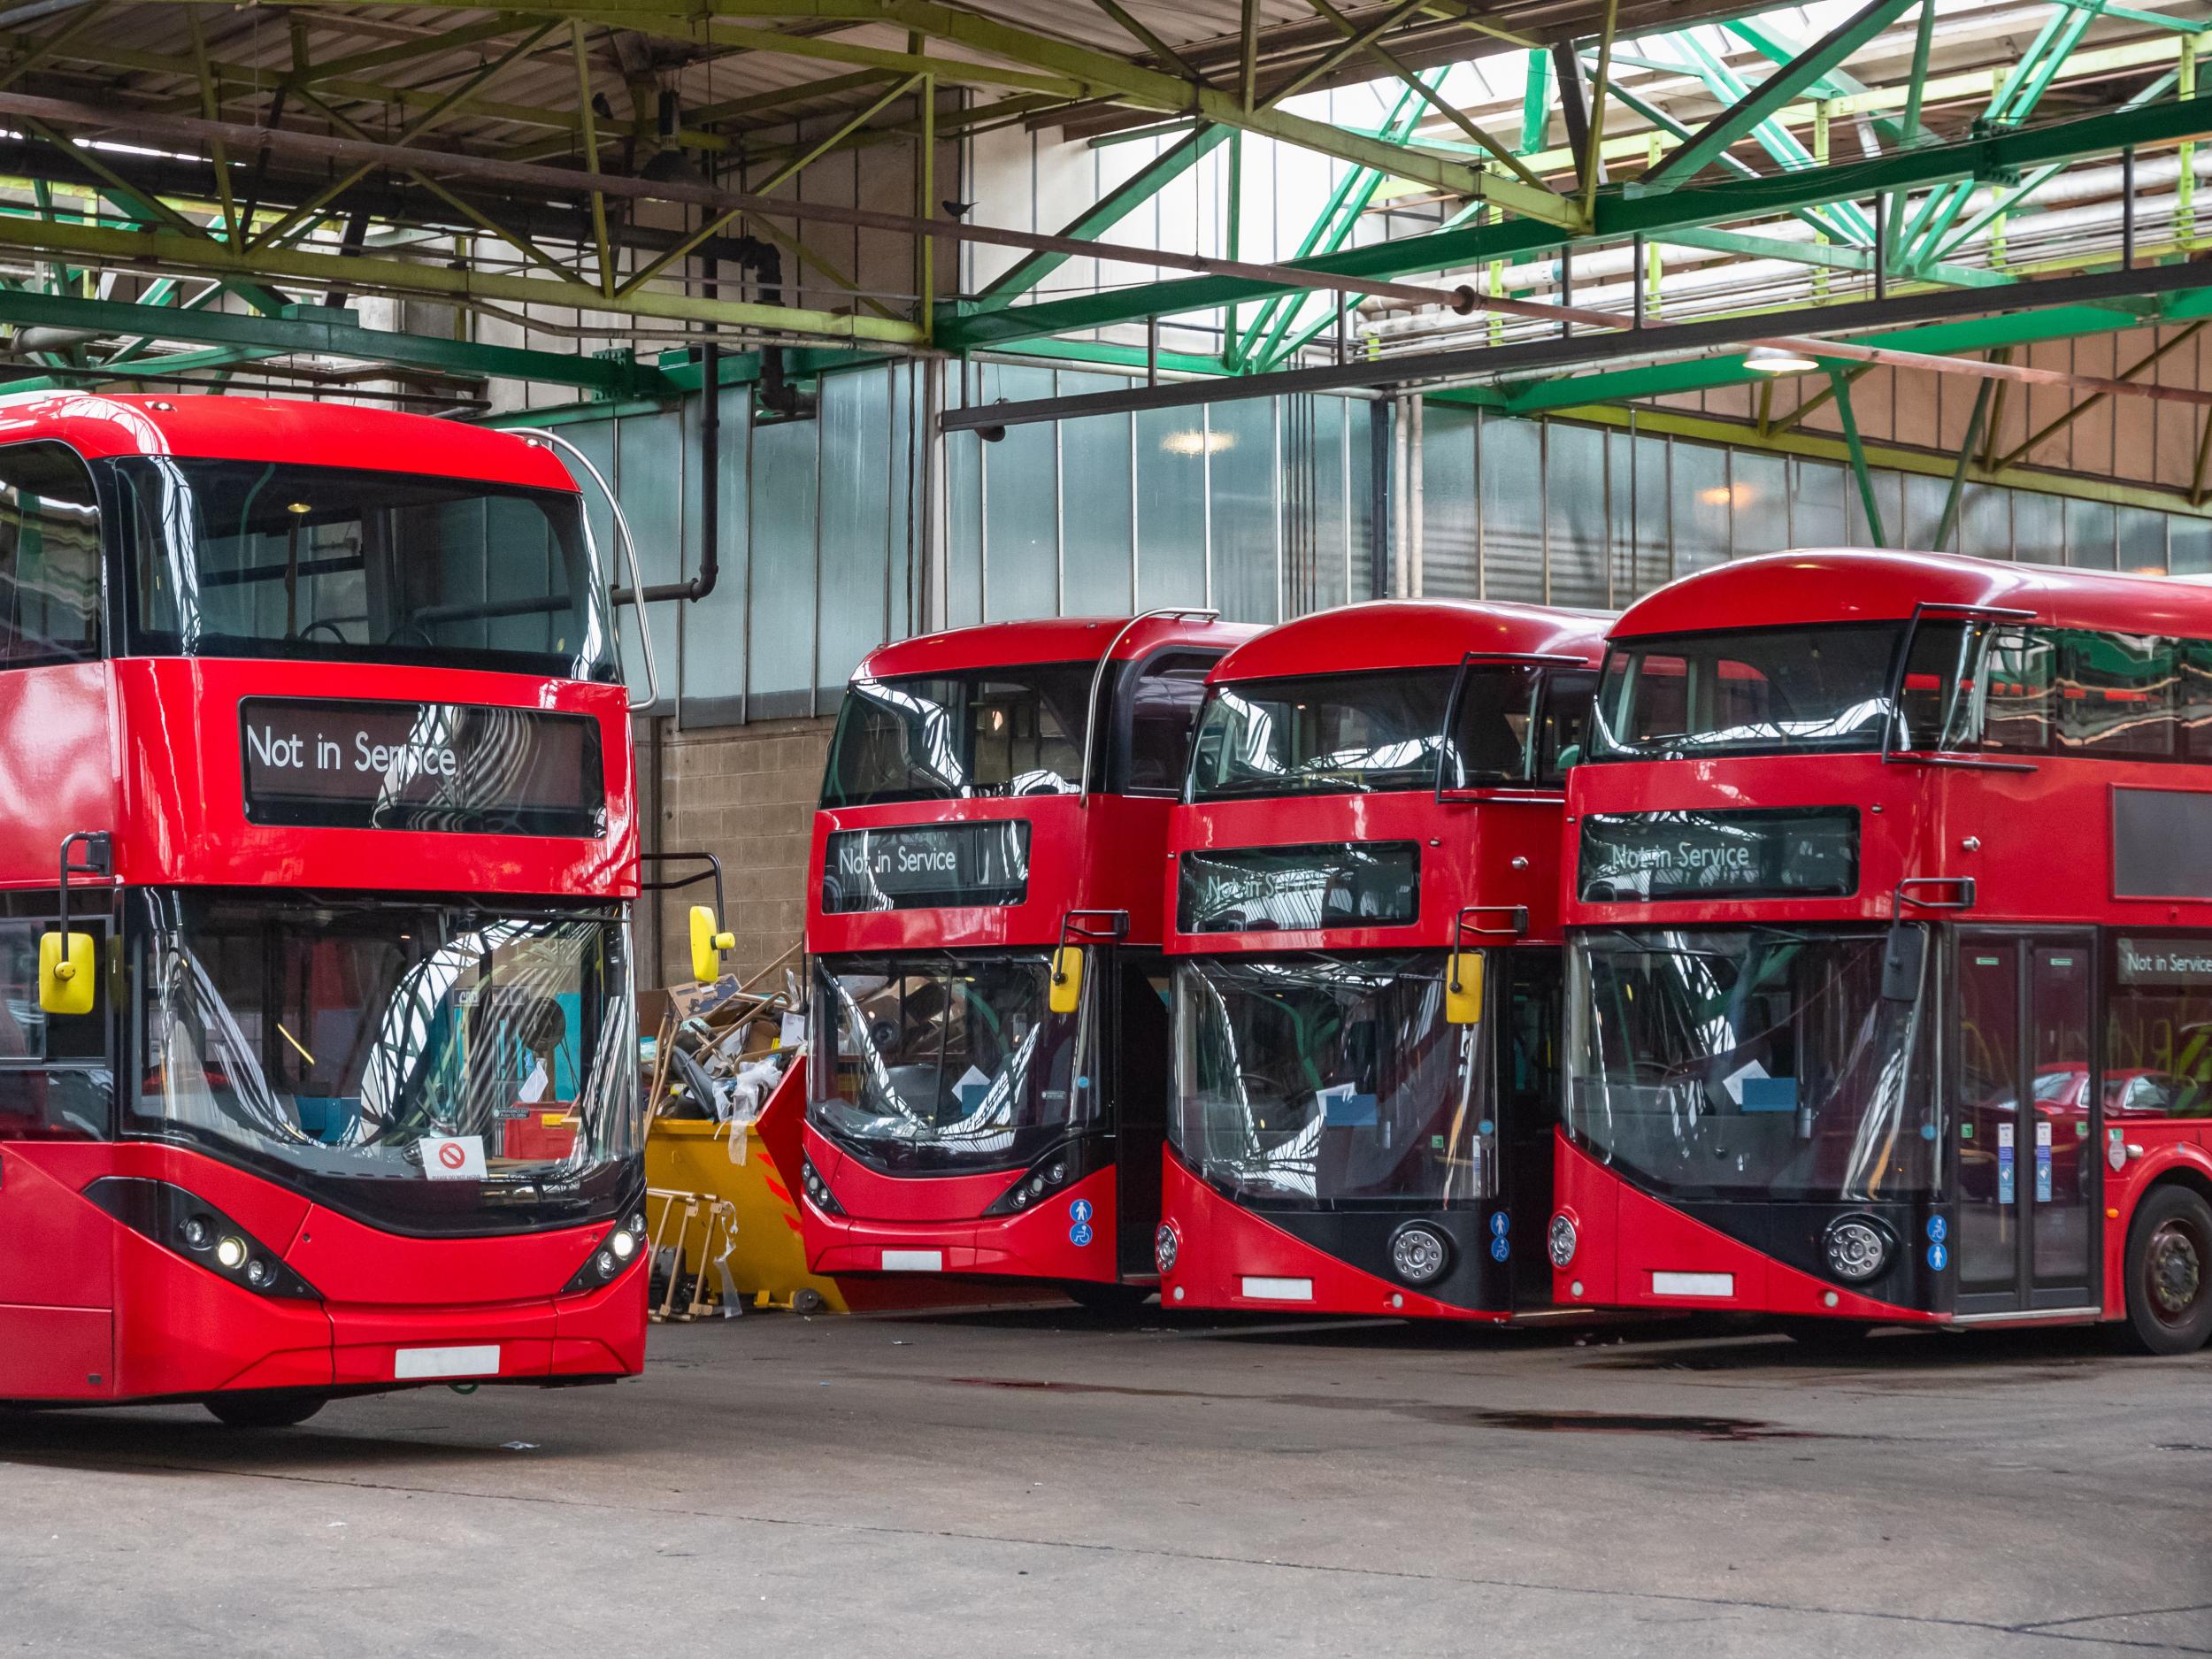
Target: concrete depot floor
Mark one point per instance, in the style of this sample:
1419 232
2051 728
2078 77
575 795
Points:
1040 1482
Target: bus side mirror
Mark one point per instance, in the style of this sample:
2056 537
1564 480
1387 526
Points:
1462 988
1067 980
68 976
1904 952
707 943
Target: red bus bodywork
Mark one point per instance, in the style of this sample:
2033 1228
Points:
1993 855
149 752
1095 857
1488 877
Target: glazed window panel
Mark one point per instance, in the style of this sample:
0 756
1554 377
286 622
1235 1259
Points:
49 558
2158 1029
2192 698
2020 693
2116 694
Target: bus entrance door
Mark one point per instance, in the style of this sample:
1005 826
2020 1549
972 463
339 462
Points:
2026 1121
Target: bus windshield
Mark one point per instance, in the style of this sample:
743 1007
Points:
1012 731
1306 1081
1353 733
936 1062
251 558
1751 1063
448 1067
1820 690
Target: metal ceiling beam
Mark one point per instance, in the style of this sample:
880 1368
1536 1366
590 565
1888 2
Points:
167 251
1855 322
570 182
1103 214
1771 95
1618 218
331 332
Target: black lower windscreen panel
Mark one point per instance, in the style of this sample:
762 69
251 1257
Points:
927 866
1304 888
1786 852
463 768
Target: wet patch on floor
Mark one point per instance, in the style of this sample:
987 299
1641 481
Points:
1693 1424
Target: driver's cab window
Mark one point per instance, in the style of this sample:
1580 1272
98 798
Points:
1562 725
55 1083
1163 698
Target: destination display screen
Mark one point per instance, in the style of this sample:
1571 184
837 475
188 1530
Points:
2159 841
2183 963
462 768
1772 853
922 867
1300 890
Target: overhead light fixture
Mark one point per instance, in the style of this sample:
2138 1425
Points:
1196 442
1777 360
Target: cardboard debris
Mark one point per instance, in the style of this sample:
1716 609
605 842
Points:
719 1049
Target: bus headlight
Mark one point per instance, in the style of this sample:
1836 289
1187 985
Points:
1167 1243
1561 1239
1858 1247
196 1230
818 1190
1419 1254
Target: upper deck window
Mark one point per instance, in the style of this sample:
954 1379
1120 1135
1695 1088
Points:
1397 730
49 558
1759 691
1013 730
251 558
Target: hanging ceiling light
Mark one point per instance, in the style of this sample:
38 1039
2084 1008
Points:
1777 360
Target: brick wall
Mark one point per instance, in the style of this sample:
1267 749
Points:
747 795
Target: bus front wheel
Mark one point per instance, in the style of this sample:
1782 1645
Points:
279 1409
2170 1272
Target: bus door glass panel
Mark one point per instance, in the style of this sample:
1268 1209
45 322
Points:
2026 1173
1138 1069
1988 1145
56 1250
2060 1169
1528 1051
49 558
54 1083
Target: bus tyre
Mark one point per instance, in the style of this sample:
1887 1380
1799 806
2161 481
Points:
1108 1301
2170 1272
278 1409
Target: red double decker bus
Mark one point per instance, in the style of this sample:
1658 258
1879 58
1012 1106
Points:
989 1030
1890 991
1367 964
317 1063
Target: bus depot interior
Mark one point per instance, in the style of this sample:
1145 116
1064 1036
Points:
1295 824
